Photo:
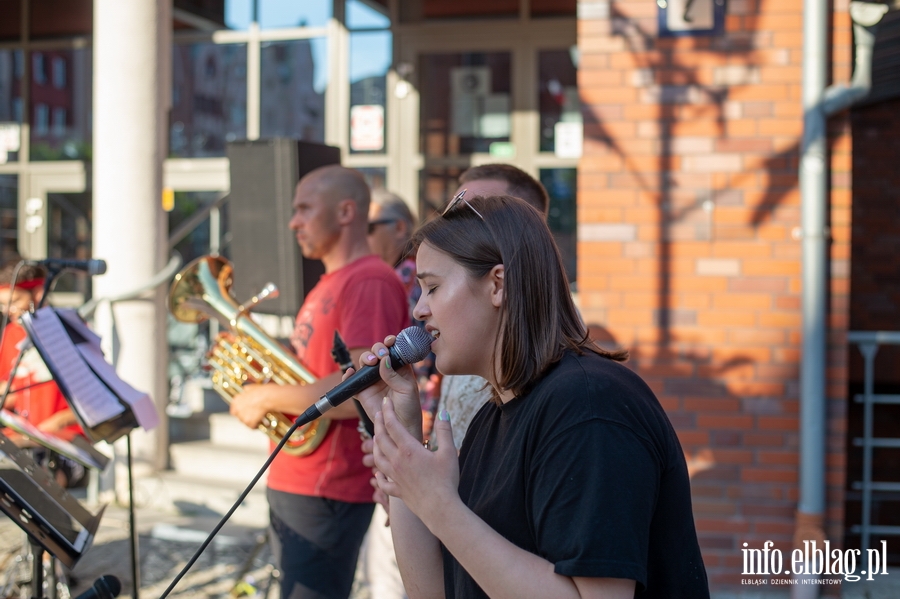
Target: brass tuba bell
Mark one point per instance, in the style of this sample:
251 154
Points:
244 353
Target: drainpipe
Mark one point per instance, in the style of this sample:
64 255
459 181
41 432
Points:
818 104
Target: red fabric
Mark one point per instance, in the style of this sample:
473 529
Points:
365 302
37 403
30 284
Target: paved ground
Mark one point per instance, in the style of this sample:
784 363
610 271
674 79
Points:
166 543
168 539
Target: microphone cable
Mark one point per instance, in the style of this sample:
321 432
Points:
190 563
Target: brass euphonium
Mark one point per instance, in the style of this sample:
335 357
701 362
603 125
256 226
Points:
244 353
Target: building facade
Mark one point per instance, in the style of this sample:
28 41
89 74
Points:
670 136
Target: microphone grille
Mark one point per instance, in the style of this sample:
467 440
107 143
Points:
413 344
111 586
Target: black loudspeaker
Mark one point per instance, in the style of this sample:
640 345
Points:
263 249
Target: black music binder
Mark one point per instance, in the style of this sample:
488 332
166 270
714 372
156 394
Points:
106 406
44 510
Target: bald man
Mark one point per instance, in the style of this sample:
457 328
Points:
320 504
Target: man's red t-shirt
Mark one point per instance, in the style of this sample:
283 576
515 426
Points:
36 403
365 302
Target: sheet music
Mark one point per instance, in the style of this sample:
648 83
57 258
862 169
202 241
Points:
141 404
94 402
74 320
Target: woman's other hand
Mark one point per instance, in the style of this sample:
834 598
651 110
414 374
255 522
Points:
424 478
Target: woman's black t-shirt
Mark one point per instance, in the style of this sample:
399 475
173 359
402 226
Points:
585 471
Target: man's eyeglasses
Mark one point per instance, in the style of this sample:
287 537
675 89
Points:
455 202
380 221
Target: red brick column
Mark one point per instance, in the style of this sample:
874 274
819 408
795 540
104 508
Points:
689 206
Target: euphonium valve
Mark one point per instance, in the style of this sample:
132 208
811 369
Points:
243 353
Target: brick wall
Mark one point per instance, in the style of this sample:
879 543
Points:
688 205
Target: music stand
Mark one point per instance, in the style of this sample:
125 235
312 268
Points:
106 407
54 521
76 450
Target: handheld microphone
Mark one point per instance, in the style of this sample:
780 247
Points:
92 267
412 345
105 587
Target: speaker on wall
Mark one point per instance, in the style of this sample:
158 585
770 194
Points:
263 249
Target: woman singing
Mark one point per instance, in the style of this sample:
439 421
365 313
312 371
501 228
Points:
571 481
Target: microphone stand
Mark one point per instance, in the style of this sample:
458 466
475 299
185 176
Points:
37 550
311 413
301 420
341 354
48 281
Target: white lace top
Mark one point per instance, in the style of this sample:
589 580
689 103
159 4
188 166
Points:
462 396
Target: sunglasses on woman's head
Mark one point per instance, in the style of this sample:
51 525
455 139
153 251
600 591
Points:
456 202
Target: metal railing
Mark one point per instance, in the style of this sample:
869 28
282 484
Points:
869 342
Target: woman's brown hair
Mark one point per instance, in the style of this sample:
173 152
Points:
538 319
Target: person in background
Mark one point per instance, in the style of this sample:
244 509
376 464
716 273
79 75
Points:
320 504
463 395
571 481
33 393
391 226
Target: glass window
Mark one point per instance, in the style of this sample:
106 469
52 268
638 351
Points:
59 72
11 23
563 216
238 14
198 241
293 76
41 119
465 103
558 98
436 186
290 13
69 236
61 18
209 98
38 72
10 104
61 115
366 15
9 223
370 59
58 122
376 177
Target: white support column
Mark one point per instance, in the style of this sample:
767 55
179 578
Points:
131 61
254 67
337 93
